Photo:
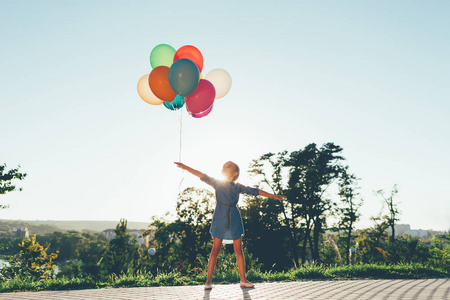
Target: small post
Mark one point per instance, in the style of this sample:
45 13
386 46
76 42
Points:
352 251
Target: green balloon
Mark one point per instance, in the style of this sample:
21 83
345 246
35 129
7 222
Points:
162 55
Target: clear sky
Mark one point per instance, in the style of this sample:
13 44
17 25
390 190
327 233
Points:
370 76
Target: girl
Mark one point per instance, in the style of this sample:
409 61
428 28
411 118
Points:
227 221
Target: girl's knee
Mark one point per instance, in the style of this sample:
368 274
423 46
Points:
238 250
217 245
215 250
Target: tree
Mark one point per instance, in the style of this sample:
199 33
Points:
92 255
32 261
78 252
392 206
194 214
312 171
165 242
269 216
179 243
350 205
266 234
123 252
6 181
371 241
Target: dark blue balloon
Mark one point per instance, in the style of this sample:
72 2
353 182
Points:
176 104
184 77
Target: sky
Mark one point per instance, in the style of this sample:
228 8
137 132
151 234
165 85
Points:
371 77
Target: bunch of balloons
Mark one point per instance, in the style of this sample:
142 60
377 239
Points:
176 79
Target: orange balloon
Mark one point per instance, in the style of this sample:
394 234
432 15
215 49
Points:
158 80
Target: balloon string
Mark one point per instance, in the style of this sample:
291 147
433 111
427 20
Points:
181 131
180 192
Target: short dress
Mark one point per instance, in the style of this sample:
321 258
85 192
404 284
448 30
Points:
227 222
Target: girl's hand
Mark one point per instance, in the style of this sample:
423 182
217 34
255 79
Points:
180 165
280 197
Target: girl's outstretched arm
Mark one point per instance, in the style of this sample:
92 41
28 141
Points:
269 195
190 170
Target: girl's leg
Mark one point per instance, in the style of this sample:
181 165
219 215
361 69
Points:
240 258
213 259
241 263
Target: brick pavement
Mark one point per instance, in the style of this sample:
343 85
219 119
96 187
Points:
423 289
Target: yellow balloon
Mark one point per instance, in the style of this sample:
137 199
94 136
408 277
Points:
201 76
146 93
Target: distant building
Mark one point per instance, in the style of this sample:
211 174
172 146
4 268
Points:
109 234
401 229
143 241
20 232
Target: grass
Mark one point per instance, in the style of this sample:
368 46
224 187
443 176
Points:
20 285
312 272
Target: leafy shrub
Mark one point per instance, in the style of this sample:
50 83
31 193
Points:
31 262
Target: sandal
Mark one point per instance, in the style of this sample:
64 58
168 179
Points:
247 284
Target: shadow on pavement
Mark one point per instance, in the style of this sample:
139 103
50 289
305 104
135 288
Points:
206 295
245 294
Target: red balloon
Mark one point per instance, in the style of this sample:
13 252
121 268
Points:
202 98
192 53
202 114
158 81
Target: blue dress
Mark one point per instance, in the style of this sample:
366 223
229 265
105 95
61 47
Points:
227 220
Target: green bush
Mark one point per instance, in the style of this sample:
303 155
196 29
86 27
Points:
440 257
32 261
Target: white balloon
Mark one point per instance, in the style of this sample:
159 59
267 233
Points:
151 251
146 93
221 81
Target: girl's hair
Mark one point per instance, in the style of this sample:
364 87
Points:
236 169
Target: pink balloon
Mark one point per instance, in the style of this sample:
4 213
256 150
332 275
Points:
202 98
202 114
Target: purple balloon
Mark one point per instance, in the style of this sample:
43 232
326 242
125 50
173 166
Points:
200 114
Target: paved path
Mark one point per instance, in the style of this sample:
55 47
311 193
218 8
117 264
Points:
423 289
